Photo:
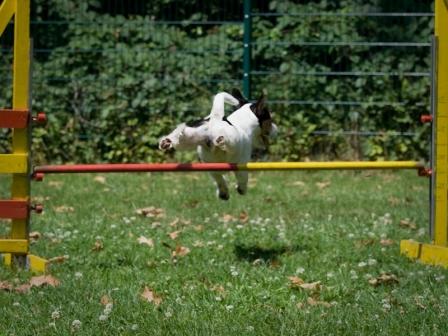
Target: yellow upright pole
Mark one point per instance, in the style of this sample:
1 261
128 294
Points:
437 252
20 188
441 162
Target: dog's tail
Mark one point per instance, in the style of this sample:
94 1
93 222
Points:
220 99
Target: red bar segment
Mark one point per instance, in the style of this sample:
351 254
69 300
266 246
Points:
13 209
13 118
135 167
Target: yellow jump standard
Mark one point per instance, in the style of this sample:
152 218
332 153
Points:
437 252
16 248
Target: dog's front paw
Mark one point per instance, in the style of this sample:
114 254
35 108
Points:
241 190
220 142
224 195
166 144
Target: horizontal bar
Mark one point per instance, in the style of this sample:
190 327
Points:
13 118
14 209
364 133
344 73
362 14
13 163
330 102
13 246
346 44
178 167
137 23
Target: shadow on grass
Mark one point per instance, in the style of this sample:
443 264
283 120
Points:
266 254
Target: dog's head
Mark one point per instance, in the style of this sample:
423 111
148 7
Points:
267 128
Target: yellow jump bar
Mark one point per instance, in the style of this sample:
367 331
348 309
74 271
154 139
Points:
13 246
13 163
331 165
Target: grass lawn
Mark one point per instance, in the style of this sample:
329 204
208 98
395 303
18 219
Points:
229 268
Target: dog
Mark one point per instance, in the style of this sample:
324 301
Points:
218 138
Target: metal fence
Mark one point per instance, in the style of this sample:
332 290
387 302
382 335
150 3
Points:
315 73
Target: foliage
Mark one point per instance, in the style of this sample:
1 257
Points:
113 84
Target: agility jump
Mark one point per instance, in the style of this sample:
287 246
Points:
16 248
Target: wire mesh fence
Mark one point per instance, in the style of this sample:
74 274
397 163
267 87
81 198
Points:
342 79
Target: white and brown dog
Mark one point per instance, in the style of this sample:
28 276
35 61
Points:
218 138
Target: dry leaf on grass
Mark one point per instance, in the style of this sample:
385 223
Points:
150 296
227 218
180 251
244 217
296 281
6 286
322 185
174 222
105 299
299 183
406 223
384 279
151 212
146 241
100 179
98 246
173 235
387 242
314 302
57 260
35 235
42 280
63 208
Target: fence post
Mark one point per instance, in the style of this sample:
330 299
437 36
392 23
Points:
247 41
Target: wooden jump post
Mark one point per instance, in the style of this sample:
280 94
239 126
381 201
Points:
16 249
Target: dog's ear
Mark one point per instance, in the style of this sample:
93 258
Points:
259 107
238 96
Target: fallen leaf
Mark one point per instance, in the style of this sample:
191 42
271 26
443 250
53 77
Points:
5 285
244 217
42 280
386 242
180 251
296 281
314 302
100 179
34 235
364 242
98 246
63 208
151 212
174 222
384 279
144 240
105 299
322 185
150 296
218 289
299 183
312 286
227 218
57 260
56 184
406 223
199 228
22 288
173 235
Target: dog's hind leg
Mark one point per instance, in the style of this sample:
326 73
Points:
242 177
221 185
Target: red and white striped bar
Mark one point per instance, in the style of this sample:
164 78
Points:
253 166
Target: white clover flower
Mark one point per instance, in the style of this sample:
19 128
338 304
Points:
362 264
168 314
78 275
76 324
102 317
250 328
52 325
134 327
55 315
229 307
371 262
218 298
16 304
300 270
234 273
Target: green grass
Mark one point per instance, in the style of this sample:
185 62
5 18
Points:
235 280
